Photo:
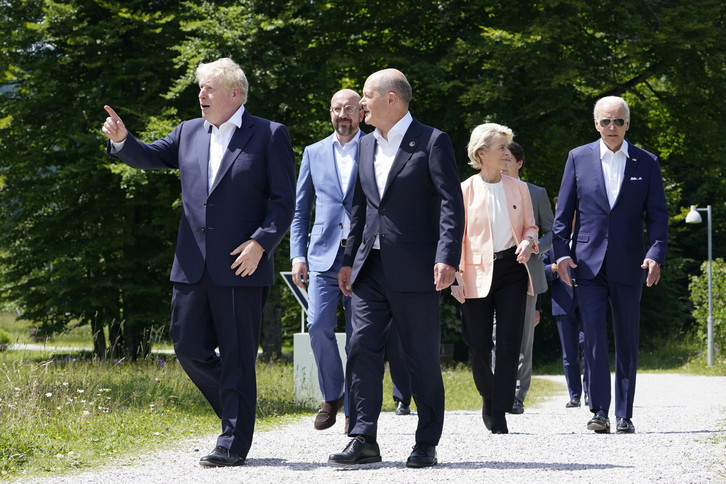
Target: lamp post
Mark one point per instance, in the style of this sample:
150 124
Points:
694 217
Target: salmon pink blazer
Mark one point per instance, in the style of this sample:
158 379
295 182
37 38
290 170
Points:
477 254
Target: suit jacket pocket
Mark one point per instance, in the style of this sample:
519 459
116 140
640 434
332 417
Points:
583 237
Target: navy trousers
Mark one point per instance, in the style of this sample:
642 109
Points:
594 296
416 314
205 316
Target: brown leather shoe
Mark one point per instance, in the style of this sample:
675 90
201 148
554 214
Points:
326 415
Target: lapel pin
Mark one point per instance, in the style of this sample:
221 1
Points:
412 144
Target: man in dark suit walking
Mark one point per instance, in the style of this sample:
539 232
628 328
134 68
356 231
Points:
611 186
404 246
237 175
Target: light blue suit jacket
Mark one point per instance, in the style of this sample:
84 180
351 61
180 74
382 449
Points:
318 185
617 232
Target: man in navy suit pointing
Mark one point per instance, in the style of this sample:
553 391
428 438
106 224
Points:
612 186
237 174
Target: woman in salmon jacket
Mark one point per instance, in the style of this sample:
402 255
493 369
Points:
499 236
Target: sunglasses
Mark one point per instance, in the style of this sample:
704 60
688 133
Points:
605 122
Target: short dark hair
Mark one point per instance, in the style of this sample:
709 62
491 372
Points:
518 153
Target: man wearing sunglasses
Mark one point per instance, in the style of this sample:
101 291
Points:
611 186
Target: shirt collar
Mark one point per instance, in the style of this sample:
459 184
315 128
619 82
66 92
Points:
604 149
352 142
398 130
236 119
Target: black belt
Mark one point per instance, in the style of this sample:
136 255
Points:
506 253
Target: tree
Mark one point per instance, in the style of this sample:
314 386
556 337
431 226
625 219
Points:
83 240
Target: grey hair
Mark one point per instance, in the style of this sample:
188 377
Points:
610 100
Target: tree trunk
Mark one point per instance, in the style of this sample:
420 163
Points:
99 338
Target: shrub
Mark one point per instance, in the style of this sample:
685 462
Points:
699 297
4 339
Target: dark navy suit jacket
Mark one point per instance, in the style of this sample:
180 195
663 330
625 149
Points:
617 232
253 196
420 217
563 300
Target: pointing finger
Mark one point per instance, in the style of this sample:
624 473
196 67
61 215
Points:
112 113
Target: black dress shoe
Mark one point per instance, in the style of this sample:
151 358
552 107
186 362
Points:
221 457
423 455
574 402
517 407
499 423
625 426
486 416
403 409
599 423
358 451
326 415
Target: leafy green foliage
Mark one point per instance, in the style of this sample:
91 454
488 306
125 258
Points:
88 240
699 296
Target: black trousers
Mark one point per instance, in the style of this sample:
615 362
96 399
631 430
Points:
508 297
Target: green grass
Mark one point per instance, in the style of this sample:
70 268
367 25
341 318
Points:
69 413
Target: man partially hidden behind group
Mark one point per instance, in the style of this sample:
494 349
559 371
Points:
611 186
237 175
404 246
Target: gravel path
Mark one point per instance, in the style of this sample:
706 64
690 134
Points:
680 437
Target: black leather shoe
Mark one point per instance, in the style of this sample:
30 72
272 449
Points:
221 457
624 426
326 415
358 451
517 407
499 423
599 423
402 409
574 402
423 455
486 416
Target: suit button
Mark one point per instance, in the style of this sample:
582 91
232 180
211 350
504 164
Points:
205 204
203 229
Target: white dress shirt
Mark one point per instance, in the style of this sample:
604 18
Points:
385 154
613 167
345 157
219 141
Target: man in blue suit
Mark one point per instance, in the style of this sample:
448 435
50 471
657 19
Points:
566 311
404 246
611 186
326 182
237 175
